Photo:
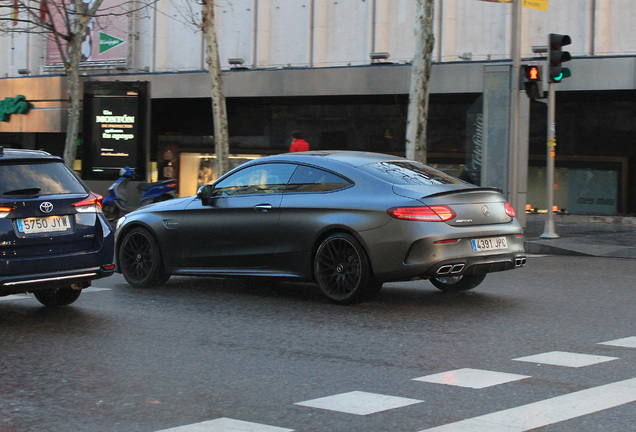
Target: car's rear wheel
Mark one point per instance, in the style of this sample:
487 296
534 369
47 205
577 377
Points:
57 296
458 283
140 259
111 212
342 270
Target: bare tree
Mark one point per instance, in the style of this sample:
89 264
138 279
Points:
219 111
201 14
66 23
417 120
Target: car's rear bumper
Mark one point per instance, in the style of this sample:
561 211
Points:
442 251
27 274
78 278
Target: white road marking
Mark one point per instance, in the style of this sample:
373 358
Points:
226 425
560 358
27 296
471 378
549 411
14 297
628 342
359 403
95 289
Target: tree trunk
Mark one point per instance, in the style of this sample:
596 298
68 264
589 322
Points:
72 76
219 112
416 146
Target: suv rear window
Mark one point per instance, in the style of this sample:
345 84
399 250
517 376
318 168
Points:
409 173
41 178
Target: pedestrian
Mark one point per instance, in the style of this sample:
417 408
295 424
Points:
298 144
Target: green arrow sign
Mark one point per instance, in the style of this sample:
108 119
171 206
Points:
107 42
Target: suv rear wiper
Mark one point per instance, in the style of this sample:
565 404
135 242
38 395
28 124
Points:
26 191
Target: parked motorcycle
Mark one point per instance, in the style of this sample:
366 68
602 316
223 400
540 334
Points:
117 202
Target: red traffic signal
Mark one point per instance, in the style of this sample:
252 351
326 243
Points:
532 72
533 84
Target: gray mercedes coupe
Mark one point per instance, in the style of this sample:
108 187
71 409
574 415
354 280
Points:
349 221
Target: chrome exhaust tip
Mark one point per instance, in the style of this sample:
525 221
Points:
445 269
520 262
457 268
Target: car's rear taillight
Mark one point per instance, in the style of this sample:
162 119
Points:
92 204
510 211
438 213
4 211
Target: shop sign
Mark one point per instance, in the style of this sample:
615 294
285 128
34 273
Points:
15 105
116 121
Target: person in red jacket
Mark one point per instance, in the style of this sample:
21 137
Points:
298 143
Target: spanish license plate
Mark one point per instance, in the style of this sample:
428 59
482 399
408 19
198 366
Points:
489 243
49 224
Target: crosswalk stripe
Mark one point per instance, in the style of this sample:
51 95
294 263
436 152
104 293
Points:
226 425
549 411
26 296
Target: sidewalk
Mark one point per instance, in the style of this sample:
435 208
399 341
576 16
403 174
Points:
601 236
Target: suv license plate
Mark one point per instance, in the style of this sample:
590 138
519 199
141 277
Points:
488 244
49 224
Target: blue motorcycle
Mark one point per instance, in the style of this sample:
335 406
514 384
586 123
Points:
117 202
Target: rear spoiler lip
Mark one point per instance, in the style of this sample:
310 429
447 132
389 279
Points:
467 190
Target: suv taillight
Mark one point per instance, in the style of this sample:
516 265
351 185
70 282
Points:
438 213
92 204
4 211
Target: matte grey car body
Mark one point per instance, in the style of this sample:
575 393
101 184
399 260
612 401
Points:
349 221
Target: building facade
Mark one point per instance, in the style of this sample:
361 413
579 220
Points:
340 70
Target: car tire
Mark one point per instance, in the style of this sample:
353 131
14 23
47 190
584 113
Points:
140 260
111 212
342 270
458 283
55 297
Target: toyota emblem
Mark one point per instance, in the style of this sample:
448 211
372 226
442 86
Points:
46 207
485 210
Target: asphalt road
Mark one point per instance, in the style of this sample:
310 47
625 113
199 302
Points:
220 355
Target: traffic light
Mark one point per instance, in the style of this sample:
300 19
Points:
533 83
556 57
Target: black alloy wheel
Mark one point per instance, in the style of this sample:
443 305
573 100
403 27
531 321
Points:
55 297
458 283
342 270
140 260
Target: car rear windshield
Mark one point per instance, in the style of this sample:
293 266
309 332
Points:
45 178
409 173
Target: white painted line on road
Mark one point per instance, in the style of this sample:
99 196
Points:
226 425
14 297
27 296
471 378
549 411
95 289
560 358
359 403
628 342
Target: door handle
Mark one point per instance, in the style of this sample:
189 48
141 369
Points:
263 207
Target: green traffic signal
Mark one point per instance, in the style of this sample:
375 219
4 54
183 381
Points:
556 56
557 74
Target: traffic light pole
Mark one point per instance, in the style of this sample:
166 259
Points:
548 230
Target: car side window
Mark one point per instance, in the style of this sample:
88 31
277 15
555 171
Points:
255 179
310 179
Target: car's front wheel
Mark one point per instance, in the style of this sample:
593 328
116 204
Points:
140 259
458 283
342 270
57 296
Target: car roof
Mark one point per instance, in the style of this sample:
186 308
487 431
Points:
348 157
24 154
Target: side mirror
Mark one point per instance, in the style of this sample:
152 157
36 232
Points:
205 193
